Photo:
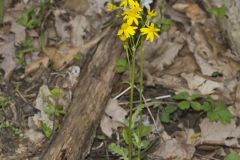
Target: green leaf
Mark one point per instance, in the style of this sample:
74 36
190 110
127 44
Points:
134 117
165 24
59 111
77 57
217 74
220 113
43 41
184 105
232 156
136 140
144 144
125 135
56 92
121 66
146 130
181 96
223 113
29 19
166 112
194 97
100 137
50 110
206 107
196 106
47 131
118 150
4 101
219 12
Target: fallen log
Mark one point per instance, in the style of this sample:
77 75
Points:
74 139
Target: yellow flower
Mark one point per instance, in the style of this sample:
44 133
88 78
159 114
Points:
124 3
111 7
131 16
122 37
126 31
135 6
151 13
150 31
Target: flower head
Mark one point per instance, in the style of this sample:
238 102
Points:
151 13
124 3
111 7
150 31
126 31
131 16
135 6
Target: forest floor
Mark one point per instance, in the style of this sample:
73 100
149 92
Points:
191 81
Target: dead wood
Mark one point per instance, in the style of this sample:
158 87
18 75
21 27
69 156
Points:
74 139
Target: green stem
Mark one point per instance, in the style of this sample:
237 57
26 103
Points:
132 80
141 93
1 11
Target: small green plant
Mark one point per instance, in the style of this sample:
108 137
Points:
24 48
215 110
47 131
54 111
219 12
6 124
164 24
188 101
232 156
166 113
29 18
139 137
77 56
4 101
122 65
118 150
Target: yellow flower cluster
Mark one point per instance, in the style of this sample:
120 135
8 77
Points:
132 16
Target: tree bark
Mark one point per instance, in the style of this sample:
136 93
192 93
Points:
74 139
231 23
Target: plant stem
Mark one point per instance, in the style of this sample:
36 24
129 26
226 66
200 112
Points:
132 80
1 11
141 93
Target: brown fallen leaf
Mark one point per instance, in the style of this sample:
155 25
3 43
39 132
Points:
117 114
65 55
216 133
32 67
19 30
8 53
79 30
174 150
115 111
203 85
209 54
61 26
108 126
192 10
180 66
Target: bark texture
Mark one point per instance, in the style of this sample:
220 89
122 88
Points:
231 24
74 139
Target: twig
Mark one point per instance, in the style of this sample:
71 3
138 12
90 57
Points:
122 93
149 111
148 100
98 147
